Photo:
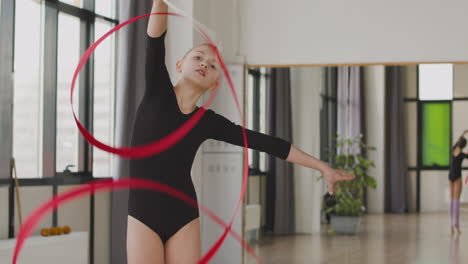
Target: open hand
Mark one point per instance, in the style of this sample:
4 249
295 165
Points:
331 176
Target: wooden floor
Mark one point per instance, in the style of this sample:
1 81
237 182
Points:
383 239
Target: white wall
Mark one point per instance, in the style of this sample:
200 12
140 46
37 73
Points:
179 39
306 84
222 18
374 89
460 81
341 31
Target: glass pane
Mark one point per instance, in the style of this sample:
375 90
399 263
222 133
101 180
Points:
27 89
436 82
105 7
436 134
68 56
77 3
103 123
249 125
262 119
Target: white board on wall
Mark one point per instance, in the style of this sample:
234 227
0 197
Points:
221 175
222 182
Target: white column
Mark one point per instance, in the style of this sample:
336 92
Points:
374 89
306 84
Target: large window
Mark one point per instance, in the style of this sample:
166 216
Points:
50 38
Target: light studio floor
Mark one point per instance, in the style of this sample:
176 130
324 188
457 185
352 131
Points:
383 239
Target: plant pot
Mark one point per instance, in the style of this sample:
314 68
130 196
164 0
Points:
345 225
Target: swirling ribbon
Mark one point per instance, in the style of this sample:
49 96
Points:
141 152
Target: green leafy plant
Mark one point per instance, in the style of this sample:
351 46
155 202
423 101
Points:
348 196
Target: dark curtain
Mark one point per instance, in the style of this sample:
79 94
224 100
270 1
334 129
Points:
280 185
130 88
396 187
328 115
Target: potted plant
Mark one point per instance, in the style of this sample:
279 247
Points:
346 205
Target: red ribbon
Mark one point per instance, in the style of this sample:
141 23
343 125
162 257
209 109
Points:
105 185
141 152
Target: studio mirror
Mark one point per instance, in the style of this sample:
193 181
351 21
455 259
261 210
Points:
407 116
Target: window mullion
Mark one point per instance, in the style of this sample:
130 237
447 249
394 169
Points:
256 117
86 97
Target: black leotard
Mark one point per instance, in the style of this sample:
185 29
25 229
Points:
455 166
158 115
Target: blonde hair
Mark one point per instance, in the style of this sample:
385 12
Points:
200 45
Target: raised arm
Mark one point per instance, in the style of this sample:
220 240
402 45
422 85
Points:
464 133
157 24
158 82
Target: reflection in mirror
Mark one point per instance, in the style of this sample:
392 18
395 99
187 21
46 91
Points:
401 121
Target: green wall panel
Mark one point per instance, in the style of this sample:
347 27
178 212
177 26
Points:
436 134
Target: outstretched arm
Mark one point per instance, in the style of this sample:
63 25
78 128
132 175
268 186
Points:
225 130
157 24
331 175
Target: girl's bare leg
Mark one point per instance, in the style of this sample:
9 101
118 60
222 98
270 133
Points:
144 246
451 189
457 189
185 246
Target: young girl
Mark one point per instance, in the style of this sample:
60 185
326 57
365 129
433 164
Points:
455 182
163 229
